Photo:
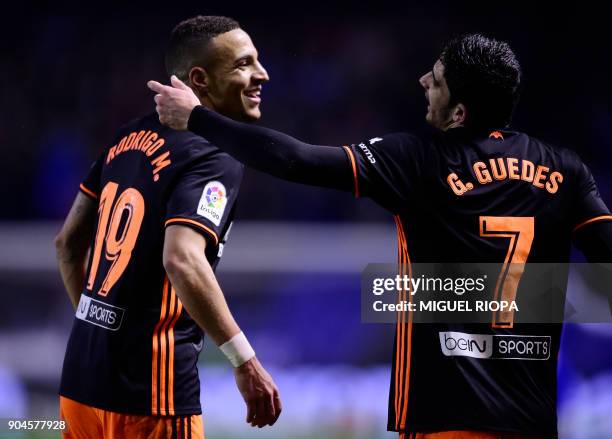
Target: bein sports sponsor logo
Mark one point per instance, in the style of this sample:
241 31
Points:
466 345
99 313
496 347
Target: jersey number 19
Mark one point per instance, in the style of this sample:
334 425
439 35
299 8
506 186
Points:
118 227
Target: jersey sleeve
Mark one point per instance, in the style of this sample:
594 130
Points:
204 195
387 169
588 207
90 185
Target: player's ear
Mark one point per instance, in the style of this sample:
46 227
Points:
459 114
199 80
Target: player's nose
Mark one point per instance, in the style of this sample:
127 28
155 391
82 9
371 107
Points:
261 74
424 80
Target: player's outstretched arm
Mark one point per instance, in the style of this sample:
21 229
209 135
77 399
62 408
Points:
261 148
196 286
72 245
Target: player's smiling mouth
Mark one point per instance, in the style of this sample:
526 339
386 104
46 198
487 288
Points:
253 95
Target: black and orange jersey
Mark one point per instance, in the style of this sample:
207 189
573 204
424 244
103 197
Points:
462 197
457 196
133 347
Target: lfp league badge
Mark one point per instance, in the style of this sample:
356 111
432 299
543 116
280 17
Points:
213 201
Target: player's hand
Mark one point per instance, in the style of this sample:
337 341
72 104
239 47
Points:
174 103
259 392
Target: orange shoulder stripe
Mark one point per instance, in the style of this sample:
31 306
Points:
195 223
593 220
86 191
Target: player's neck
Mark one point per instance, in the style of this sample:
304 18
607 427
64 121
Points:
206 102
451 125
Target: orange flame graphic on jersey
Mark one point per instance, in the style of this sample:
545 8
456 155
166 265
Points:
496 135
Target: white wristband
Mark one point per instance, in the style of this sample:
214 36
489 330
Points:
238 350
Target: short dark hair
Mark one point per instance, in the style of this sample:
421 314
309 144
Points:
188 41
485 76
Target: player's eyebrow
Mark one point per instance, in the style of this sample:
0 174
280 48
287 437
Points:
249 57
242 58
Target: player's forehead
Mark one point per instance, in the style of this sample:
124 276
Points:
233 45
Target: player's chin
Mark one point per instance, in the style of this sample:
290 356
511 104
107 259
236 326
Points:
433 119
252 113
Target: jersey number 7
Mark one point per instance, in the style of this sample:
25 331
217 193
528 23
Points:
118 227
520 231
